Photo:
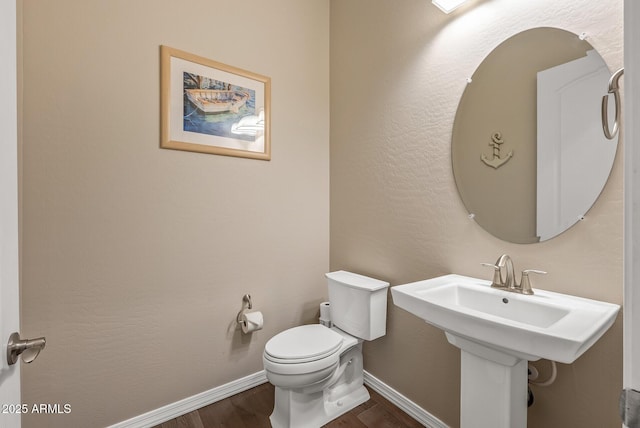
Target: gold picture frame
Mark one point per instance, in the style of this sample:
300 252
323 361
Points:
210 107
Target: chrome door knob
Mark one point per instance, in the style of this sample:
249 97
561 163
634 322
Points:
28 348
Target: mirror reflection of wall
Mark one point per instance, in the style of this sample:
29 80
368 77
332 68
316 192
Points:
532 112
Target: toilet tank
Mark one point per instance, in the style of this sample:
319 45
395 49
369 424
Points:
358 304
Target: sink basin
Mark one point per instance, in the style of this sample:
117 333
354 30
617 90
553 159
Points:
548 325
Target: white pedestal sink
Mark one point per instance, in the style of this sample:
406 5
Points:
498 332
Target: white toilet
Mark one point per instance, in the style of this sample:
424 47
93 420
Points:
317 371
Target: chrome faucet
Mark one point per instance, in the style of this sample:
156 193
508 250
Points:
508 282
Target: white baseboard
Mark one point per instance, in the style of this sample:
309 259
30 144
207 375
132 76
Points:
189 404
402 402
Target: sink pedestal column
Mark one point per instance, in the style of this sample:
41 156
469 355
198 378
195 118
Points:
493 390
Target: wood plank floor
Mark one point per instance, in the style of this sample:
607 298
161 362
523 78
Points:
251 409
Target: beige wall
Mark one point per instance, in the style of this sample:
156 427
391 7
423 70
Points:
134 258
397 73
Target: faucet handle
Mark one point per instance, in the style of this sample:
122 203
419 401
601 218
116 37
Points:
525 282
497 279
540 272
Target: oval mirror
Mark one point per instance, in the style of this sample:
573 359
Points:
528 151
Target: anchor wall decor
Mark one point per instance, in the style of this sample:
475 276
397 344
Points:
496 161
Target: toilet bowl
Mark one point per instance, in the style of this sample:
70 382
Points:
318 371
303 356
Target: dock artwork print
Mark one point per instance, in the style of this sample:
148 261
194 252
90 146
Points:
210 107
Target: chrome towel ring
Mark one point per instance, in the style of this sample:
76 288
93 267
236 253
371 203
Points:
614 88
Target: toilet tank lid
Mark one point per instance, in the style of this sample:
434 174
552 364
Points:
355 280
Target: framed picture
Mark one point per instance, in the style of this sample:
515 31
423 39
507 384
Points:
210 107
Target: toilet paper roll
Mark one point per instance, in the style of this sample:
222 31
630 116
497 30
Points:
251 321
325 311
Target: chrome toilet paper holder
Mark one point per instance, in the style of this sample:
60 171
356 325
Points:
246 305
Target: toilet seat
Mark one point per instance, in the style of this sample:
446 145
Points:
301 350
303 344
